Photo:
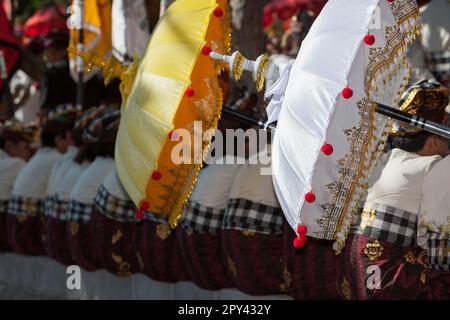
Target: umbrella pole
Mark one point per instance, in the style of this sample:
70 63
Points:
414 121
80 62
386 111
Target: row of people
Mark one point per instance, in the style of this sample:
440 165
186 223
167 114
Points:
233 234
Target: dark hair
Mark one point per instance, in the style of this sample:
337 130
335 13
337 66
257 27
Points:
86 152
411 142
52 129
10 136
103 149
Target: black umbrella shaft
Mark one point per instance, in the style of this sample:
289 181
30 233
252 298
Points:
244 117
80 63
418 122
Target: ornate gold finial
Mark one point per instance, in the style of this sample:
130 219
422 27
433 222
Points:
111 68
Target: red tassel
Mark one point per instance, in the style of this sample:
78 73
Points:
327 149
310 197
347 93
369 39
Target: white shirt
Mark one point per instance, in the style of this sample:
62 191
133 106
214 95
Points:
9 170
32 181
253 183
59 170
436 195
214 184
401 181
69 180
114 186
87 185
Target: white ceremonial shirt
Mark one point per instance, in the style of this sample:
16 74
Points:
59 170
9 170
32 181
69 180
87 185
214 183
401 180
436 195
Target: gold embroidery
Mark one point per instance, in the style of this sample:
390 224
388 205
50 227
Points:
373 250
346 289
189 232
423 276
232 267
248 233
163 231
116 236
124 266
22 218
410 257
284 287
367 217
74 228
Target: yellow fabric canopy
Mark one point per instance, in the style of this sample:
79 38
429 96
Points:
176 84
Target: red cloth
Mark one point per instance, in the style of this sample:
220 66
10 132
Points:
4 246
9 47
81 241
45 20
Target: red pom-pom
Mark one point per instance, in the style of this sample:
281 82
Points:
189 92
390 1
173 135
347 93
327 149
206 50
144 206
218 12
299 243
302 229
156 175
139 214
310 197
369 39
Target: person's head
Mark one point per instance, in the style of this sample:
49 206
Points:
57 134
15 141
427 100
101 131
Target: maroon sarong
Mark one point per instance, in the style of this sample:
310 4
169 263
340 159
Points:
4 246
114 245
80 236
199 244
310 272
158 255
401 269
202 259
254 261
25 234
252 241
56 242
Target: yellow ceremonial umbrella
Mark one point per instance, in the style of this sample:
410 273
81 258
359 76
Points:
172 91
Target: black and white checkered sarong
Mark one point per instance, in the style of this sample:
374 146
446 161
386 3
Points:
25 206
202 219
438 249
113 207
388 224
56 208
439 64
245 215
79 212
4 206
